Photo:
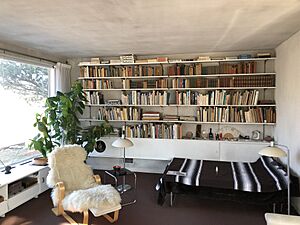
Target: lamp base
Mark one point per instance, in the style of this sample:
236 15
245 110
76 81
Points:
124 187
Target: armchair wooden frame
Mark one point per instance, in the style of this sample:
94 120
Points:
59 210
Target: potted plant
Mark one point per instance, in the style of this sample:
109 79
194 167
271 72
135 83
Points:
59 123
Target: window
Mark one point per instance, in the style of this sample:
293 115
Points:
23 89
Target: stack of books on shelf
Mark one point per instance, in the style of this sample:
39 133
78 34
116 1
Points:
113 102
148 98
151 116
130 58
163 131
95 61
187 118
161 83
170 117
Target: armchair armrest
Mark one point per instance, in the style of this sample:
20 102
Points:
61 194
97 179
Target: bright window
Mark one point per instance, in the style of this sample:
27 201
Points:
23 89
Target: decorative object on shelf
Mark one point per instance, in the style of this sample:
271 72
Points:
189 135
276 150
256 135
230 133
59 124
100 146
40 161
7 169
123 142
210 134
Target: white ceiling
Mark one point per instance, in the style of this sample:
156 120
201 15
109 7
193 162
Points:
87 28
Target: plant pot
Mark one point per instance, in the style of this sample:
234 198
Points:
40 161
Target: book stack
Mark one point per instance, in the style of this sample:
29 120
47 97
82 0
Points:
187 118
115 61
170 117
151 116
203 58
113 102
95 61
130 58
263 55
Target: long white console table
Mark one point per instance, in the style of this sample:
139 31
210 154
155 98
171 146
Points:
33 181
166 149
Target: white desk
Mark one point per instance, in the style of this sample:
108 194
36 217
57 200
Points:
19 173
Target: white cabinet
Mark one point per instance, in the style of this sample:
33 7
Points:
166 149
24 183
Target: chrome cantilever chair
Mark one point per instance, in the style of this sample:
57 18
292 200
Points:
76 189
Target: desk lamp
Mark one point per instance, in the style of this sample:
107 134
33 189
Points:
276 151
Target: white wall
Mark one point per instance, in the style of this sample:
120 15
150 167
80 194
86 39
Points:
287 131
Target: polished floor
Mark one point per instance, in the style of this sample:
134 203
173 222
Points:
187 210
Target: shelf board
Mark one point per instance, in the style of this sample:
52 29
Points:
179 89
177 62
129 89
221 75
107 105
108 78
175 121
220 88
174 105
178 76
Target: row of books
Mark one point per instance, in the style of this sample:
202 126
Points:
161 83
237 68
241 81
142 98
117 113
230 114
217 97
97 84
163 131
159 70
94 97
181 83
151 116
121 71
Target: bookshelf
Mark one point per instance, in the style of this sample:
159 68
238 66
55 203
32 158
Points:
182 94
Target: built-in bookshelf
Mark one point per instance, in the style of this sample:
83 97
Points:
233 91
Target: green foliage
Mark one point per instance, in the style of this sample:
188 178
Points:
59 123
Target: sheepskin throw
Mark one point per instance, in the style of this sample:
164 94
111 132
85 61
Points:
81 190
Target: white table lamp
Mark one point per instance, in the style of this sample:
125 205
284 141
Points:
275 151
123 143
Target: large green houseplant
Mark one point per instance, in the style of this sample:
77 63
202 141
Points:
59 123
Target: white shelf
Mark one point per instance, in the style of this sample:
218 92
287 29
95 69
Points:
107 105
174 121
180 76
220 88
176 62
107 78
179 89
129 89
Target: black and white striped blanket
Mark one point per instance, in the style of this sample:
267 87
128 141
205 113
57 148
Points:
264 175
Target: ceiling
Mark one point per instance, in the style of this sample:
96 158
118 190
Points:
69 28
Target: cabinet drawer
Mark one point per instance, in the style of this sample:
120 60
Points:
3 207
23 196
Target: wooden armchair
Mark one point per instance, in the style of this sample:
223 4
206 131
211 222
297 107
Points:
76 189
